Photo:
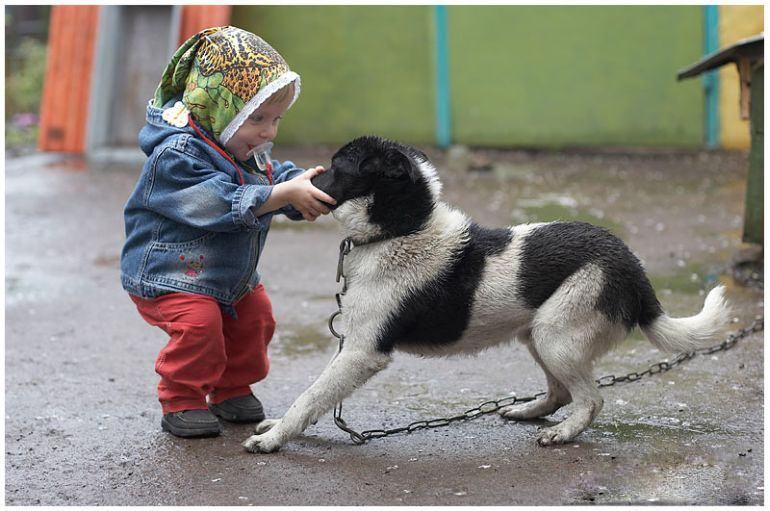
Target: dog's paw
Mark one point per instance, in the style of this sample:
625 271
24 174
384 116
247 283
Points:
266 425
261 443
517 412
532 410
553 436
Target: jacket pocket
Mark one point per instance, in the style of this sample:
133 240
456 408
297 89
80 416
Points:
184 245
187 266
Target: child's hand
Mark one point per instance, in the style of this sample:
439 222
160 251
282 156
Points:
305 197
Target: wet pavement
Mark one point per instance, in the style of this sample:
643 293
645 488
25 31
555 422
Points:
83 424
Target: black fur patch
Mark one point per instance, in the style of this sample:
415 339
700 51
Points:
553 252
400 206
439 312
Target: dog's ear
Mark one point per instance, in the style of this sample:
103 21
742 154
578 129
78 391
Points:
391 164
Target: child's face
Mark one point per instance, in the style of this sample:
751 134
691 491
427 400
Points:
260 127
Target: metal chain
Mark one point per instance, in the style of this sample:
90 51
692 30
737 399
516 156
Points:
493 406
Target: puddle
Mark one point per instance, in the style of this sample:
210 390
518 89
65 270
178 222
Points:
625 432
514 172
692 278
559 209
299 340
23 290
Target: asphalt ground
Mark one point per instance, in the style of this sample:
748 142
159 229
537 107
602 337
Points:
82 422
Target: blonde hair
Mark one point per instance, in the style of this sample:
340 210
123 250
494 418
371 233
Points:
282 95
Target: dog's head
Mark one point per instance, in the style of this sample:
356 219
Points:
382 188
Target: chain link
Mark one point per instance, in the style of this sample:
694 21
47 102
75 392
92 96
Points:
489 407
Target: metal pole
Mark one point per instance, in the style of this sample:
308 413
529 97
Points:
711 78
443 106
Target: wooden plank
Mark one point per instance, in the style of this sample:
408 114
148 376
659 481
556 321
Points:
197 17
751 47
86 46
744 75
64 106
61 120
46 101
754 220
79 107
50 134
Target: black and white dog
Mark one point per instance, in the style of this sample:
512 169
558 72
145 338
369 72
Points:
423 278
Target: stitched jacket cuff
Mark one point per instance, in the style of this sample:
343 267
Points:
247 199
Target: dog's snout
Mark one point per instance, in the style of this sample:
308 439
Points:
324 182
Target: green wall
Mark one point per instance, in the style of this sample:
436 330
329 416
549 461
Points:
545 76
551 76
364 69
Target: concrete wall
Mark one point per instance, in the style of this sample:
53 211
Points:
519 76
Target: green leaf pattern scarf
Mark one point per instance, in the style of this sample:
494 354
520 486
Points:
224 73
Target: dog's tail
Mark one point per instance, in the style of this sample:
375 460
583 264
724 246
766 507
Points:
686 334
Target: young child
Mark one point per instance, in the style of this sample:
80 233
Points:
198 218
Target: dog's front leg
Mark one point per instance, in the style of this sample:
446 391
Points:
348 371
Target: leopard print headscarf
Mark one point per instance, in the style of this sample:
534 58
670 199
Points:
225 73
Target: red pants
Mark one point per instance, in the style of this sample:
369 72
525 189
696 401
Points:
209 352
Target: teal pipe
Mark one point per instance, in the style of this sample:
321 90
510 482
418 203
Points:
711 78
443 105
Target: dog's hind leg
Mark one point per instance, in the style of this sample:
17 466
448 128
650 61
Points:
569 358
348 371
556 397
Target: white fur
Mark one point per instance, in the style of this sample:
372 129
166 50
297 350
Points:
567 334
685 334
353 215
429 172
349 370
497 315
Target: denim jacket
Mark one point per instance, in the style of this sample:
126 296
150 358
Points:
190 223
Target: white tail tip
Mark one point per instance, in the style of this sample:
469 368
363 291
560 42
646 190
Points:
686 334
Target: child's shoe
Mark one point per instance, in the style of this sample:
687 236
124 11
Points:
239 409
191 423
